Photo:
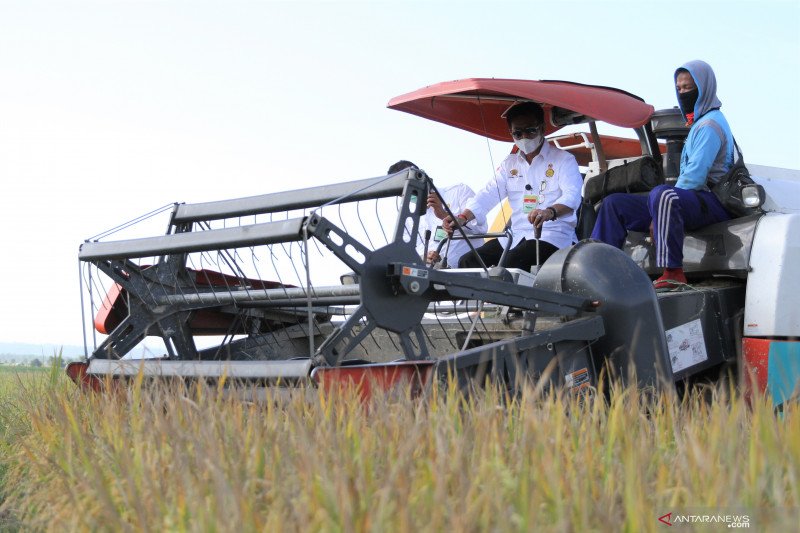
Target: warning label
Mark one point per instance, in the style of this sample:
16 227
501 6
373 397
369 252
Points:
687 346
578 380
415 272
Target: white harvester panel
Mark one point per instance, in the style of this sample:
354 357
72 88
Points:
772 304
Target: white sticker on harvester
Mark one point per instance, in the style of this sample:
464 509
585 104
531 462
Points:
686 344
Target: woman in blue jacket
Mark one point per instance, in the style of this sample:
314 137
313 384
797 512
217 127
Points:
670 211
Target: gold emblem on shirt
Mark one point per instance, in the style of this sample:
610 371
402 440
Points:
514 172
549 172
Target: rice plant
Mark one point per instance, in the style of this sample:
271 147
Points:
176 457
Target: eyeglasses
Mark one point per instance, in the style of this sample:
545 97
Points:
542 188
518 134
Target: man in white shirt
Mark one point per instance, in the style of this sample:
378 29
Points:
456 197
543 187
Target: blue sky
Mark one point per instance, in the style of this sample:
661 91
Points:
110 109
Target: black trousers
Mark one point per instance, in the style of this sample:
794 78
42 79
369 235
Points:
522 256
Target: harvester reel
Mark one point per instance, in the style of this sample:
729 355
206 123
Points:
144 285
383 304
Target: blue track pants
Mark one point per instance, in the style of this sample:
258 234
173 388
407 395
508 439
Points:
671 210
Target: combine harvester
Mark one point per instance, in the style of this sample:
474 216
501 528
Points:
309 286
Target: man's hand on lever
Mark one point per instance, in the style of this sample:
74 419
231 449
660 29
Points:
461 219
537 217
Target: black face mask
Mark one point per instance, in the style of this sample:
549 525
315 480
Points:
687 100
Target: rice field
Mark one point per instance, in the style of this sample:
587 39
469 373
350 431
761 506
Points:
177 458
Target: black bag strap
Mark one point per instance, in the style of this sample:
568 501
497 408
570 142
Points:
737 149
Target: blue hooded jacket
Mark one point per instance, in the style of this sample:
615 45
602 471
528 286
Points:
708 151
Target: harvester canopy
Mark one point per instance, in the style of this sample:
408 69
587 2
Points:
479 104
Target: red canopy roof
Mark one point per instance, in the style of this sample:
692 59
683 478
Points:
477 104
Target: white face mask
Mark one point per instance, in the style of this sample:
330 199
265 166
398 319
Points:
528 146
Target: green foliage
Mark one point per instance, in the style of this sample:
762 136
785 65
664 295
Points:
177 458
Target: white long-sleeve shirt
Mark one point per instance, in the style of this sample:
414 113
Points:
456 198
552 177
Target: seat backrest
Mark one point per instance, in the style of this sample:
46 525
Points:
632 175
587 216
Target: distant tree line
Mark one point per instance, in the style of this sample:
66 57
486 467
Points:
36 361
